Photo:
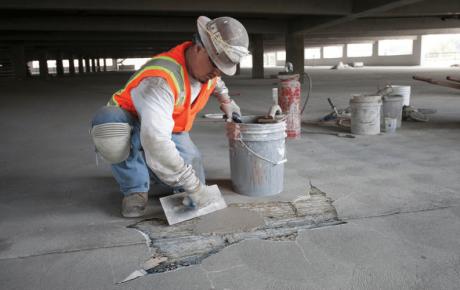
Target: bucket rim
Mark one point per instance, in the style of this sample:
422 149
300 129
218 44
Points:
252 118
366 99
393 98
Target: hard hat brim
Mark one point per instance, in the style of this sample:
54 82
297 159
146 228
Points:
225 67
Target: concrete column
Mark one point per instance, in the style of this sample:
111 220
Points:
295 53
88 65
344 53
114 64
105 65
19 61
43 65
417 50
59 65
93 65
238 69
71 65
375 48
257 42
80 65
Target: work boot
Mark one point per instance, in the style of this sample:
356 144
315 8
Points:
134 205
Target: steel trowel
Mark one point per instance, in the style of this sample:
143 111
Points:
176 212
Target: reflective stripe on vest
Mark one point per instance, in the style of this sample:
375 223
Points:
161 63
171 67
112 101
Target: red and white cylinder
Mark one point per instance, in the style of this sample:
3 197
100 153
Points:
289 96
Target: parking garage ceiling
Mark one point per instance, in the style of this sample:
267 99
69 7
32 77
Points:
141 27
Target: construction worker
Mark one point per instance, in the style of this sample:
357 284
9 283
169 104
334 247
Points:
144 129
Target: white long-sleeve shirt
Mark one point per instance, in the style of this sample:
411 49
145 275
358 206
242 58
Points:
154 103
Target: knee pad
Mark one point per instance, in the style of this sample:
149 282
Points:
112 141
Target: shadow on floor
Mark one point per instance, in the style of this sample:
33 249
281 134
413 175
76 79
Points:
224 184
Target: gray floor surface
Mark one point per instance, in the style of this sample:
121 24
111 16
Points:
399 194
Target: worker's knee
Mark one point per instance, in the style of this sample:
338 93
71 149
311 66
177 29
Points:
111 131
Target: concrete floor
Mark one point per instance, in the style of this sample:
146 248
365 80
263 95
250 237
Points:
60 226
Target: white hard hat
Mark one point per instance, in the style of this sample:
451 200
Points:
226 41
112 141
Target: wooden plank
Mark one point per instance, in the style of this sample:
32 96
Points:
438 82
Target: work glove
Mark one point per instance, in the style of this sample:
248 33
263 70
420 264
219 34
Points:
230 109
197 199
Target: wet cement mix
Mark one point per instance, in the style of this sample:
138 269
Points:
190 242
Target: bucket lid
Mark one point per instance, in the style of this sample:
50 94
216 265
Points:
365 99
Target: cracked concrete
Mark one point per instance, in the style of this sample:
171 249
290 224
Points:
60 225
182 245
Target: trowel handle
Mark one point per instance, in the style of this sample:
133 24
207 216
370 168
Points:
330 103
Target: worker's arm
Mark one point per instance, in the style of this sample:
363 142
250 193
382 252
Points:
221 90
227 105
154 102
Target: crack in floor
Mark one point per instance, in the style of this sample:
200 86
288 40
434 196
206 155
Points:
179 246
206 272
72 251
397 212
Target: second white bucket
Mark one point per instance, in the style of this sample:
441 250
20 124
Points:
403 91
392 108
365 114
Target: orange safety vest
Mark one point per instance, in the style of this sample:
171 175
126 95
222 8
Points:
171 67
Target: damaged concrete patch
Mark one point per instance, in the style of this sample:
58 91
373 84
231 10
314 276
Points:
227 220
190 242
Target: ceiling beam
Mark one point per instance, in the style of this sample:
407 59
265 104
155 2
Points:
424 8
125 24
84 36
291 7
390 25
361 8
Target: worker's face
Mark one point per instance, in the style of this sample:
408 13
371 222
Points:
203 69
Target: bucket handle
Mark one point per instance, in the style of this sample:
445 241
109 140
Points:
261 157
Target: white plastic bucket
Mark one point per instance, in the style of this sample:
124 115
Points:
403 91
365 114
257 156
390 125
392 108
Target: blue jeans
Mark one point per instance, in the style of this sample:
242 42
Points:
133 174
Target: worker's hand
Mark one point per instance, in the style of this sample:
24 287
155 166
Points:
197 199
229 107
